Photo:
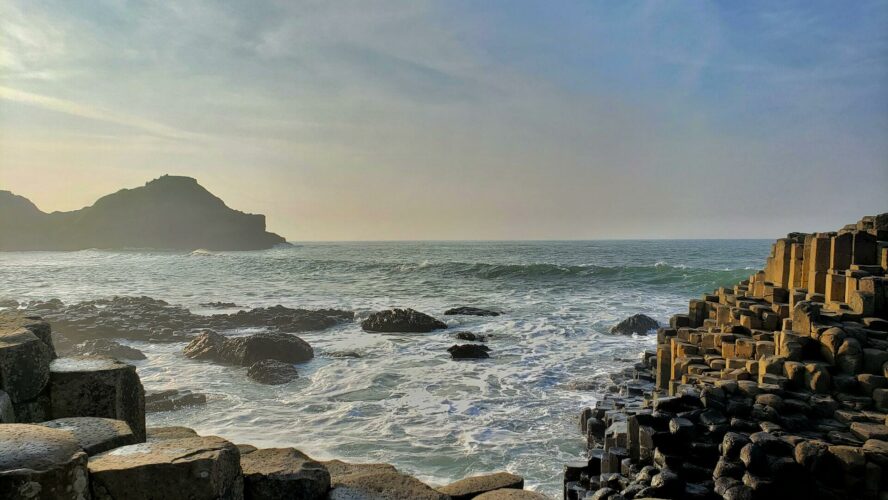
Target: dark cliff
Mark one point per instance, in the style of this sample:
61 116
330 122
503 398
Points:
170 212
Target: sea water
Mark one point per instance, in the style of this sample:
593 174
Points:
404 401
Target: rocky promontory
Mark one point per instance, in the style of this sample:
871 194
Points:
774 388
170 212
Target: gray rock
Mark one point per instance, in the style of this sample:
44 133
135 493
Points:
37 462
107 348
244 351
283 473
98 387
172 399
95 434
7 412
382 485
511 494
470 311
272 372
24 364
172 432
196 468
401 321
638 323
471 337
469 351
470 487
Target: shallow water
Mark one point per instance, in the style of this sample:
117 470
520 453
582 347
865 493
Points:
405 402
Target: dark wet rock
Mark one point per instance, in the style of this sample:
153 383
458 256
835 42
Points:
469 351
219 305
172 399
41 462
272 372
345 354
144 318
283 473
195 467
511 494
471 487
106 347
245 351
95 434
471 337
401 321
638 323
470 311
24 364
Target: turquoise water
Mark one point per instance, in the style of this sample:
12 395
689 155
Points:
405 402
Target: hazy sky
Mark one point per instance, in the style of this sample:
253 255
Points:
458 119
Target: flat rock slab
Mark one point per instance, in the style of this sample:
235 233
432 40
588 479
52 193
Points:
338 468
92 386
283 473
38 462
196 468
401 321
382 486
511 494
24 364
95 434
173 432
471 487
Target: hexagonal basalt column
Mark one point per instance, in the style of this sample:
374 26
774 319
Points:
98 387
37 463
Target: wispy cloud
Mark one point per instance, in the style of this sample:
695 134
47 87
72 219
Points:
93 113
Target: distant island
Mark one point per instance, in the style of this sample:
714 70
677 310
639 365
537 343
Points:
171 212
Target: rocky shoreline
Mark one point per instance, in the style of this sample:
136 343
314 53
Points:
776 387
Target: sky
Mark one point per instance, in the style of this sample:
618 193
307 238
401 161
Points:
406 120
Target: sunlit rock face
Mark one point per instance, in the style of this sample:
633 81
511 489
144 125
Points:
170 212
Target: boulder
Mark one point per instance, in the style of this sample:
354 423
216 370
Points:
283 473
471 337
95 434
470 487
98 387
382 485
172 399
245 351
38 462
638 323
511 494
172 432
469 351
401 321
24 364
13 320
195 468
272 372
470 311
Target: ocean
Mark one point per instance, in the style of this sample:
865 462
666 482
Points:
405 402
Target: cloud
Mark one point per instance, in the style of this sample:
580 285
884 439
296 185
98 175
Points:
83 111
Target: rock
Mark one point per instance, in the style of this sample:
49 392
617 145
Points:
107 348
470 311
173 432
170 212
194 468
471 337
272 372
732 443
98 387
24 364
511 494
13 320
245 449
338 468
219 305
95 434
172 399
345 354
401 321
382 485
754 458
469 351
245 351
38 462
638 323
283 473
7 412
281 319
867 430
470 487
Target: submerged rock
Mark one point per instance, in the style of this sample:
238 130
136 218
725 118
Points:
469 351
219 305
638 323
272 372
172 399
245 351
470 311
283 473
345 354
471 337
401 321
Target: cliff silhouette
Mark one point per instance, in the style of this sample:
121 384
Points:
171 212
